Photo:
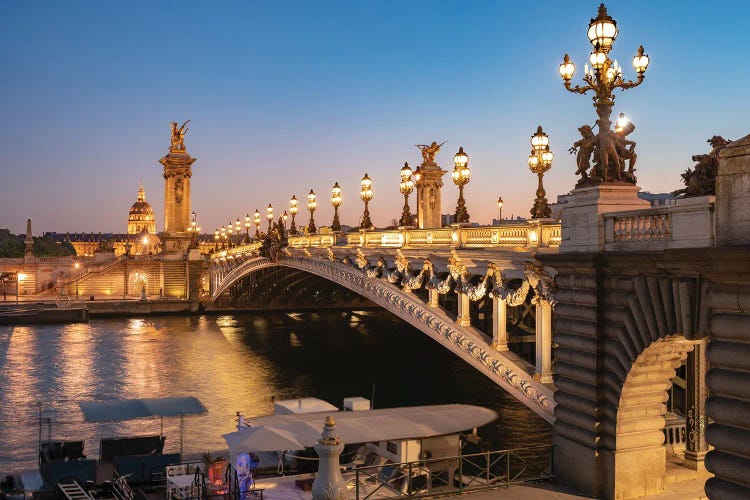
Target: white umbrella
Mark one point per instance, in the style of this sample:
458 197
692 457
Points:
262 438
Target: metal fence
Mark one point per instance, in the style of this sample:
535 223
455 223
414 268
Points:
452 475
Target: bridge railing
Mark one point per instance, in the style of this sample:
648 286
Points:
690 224
522 234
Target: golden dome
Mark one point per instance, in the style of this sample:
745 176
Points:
141 207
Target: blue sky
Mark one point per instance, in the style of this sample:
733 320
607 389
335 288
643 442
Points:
286 96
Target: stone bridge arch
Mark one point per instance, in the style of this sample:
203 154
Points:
504 368
621 333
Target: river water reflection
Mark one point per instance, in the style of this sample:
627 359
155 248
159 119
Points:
231 363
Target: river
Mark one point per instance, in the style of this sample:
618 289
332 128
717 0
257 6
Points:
231 363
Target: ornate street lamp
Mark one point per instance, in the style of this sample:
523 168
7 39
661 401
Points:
216 240
223 237
284 217
256 220
336 202
269 216
603 77
247 228
461 175
230 230
540 161
500 208
365 195
193 229
406 187
293 211
311 206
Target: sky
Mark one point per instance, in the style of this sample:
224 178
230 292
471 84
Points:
287 96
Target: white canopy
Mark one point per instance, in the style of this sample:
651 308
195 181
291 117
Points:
368 425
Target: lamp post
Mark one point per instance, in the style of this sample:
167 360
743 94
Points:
256 220
230 230
19 277
500 209
336 202
284 217
366 194
223 237
406 187
540 161
77 266
604 76
311 206
461 175
238 230
293 211
193 229
247 228
269 217
216 240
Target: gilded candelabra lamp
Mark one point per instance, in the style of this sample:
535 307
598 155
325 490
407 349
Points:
609 148
293 212
461 175
540 161
312 204
256 220
406 187
499 208
269 217
336 202
247 228
216 240
366 194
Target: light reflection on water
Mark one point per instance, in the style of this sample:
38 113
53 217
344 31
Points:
231 363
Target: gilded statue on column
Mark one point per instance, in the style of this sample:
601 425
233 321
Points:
178 137
429 152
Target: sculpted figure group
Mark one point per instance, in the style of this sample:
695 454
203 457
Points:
701 179
610 150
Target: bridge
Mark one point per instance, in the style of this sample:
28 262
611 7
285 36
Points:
615 309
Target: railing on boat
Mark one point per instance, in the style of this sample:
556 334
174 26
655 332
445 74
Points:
454 475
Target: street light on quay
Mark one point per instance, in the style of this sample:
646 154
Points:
461 175
247 228
540 161
366 194
293 211
336 202
269 217
406 187
499 208
77 266
19 278
603 77
311 206
256 220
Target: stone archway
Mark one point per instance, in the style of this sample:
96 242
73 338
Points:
639 456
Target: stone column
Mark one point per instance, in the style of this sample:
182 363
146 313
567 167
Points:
433 297
428 185
177 173
499 324
543 340
695 423
464 306
329 484
28 242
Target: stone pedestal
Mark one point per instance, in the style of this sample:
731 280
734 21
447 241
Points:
177 173
428 196
733 194
329 484
582 221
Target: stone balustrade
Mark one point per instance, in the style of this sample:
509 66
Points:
688 224
528 234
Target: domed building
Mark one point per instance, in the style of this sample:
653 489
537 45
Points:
141 216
